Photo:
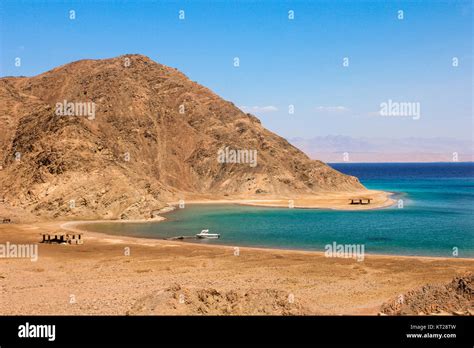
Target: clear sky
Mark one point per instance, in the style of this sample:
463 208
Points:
282 61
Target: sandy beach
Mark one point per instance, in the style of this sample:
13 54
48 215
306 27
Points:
323 200
132 276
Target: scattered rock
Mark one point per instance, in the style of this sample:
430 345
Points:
179 300
454 298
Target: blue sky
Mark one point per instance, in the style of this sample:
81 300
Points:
282 61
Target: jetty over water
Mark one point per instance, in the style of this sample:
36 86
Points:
360 200
181 237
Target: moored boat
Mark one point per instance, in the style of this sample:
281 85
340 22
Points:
206 235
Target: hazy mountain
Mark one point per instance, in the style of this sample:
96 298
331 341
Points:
333 149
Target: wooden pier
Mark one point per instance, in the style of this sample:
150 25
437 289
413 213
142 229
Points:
181 237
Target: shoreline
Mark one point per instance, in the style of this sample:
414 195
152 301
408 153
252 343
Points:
72 226
124 275
323 200
212 278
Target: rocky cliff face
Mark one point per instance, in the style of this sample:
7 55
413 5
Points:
120 137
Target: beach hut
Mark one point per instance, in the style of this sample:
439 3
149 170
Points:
62 238
360 200
75 238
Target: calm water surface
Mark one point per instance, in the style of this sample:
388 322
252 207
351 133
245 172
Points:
437 215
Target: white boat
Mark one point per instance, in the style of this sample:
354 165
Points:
206 235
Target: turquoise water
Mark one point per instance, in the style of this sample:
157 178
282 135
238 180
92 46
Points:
437 215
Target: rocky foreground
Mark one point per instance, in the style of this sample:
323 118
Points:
453 298
169 277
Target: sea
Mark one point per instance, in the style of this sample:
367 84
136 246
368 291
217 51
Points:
433 216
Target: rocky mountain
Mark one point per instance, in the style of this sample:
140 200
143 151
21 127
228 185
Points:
120 137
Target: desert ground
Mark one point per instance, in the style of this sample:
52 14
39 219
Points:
131 276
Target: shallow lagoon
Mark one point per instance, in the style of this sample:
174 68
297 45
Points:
437 216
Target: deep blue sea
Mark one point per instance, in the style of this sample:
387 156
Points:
437 216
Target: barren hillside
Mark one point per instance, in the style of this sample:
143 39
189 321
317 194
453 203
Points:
154 137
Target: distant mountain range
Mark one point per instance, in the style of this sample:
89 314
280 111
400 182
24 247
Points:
338 148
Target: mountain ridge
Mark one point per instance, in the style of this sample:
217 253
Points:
340 148
154 138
